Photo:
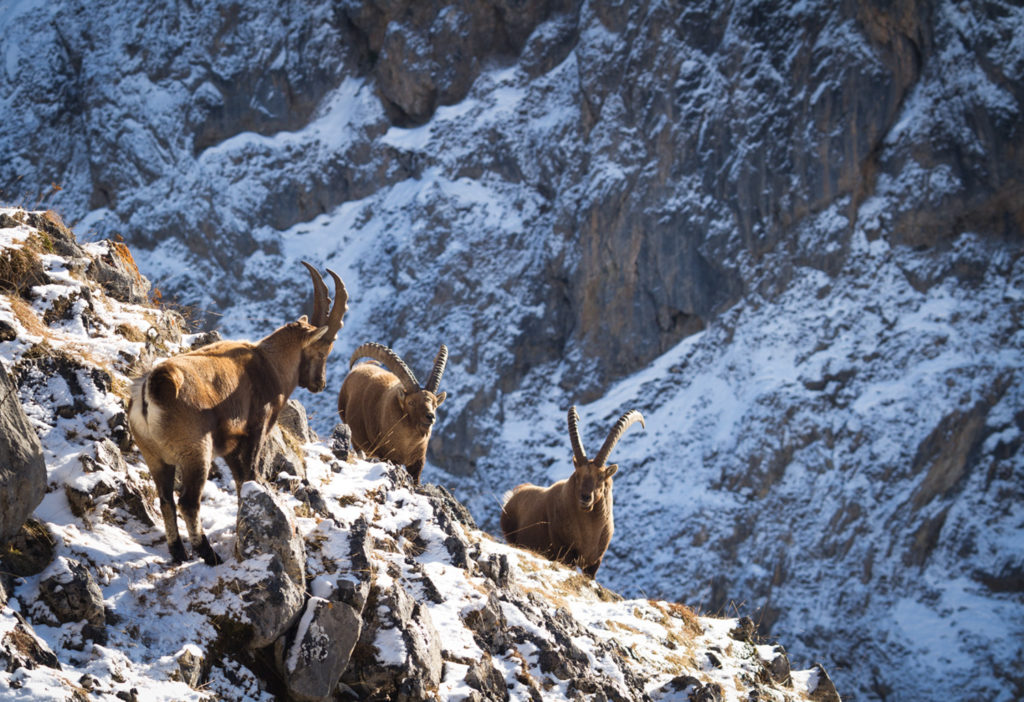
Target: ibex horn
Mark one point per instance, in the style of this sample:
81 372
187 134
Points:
625 422
340 307
578 454
391 361
320 297
434 382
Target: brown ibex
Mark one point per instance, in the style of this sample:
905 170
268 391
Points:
570 521
221 400
389 414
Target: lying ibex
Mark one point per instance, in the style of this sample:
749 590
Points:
389 414
221 400
570 521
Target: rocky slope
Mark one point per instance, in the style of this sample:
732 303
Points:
341 570
566 194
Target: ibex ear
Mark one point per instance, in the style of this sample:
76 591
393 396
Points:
440 398
610 470
316 336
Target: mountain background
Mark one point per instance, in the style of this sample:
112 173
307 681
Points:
788 233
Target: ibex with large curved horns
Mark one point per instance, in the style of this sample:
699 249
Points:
221 400
570 521
389 414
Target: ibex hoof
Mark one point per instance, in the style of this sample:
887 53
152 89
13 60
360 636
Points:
178 554
207 553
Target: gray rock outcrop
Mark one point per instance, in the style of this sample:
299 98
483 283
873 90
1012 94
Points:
71 594
319 653
22 469
265 527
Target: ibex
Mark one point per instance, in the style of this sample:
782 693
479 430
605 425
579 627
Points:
570 521
389 414
221 400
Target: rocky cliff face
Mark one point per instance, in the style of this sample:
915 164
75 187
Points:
341 580
566 194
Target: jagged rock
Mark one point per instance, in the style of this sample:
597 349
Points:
6 587
120 432
30 550
191 665
396 617
280 455
312 499
137 498
341 441
116 271
87 492
496 568
204 339
267 605
69 591
820 686
744 630
778 666
353 591
20 647
293 419
264 527
106 456
22 470
312 664
489 625
61 238
488 680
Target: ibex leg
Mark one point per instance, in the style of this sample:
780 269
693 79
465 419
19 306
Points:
163 476
193 478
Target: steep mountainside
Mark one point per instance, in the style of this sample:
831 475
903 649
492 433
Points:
340 570
790 233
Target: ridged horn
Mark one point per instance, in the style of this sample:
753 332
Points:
321 299
334 320
440 360
625 422
391 361
578 454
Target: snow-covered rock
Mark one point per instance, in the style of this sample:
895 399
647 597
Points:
405 597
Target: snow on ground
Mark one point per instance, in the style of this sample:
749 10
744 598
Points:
159 615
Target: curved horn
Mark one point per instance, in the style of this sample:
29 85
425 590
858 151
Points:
340 307
578 454
625 422
434 382
391 361
320 297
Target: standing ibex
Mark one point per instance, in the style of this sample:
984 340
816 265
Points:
389 414
570 521
221 400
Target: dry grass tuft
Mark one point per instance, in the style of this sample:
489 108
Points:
21 269
681 612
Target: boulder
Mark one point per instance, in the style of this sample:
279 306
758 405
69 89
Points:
22 469
68 589
319 652
293 420
264 527
29 551
20 647
399 651
259 603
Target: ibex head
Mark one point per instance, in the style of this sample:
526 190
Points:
418 403
324 328
593 477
